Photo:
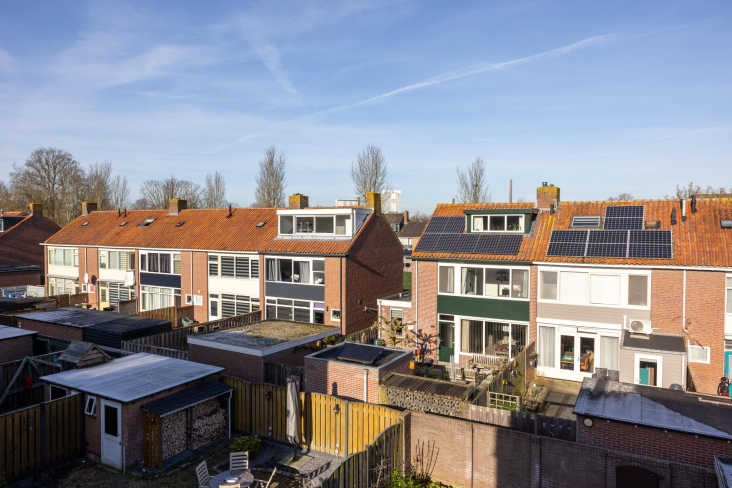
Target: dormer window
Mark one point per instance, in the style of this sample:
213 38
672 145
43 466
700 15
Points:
146 223
498 223
317 224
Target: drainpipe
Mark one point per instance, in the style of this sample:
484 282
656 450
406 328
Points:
365 385
229 415
416 300
683 308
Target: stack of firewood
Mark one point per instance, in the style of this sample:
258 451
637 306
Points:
209 423
174 433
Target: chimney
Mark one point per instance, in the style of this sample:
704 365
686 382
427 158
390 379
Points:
547 195
406 216
88 207
298 200
373 200
36 209
510 191
177 205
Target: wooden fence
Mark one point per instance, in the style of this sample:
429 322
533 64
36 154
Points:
262 409
15 393
513 379
556 428
276 373
134 348
366 336
174 315
39 436
372 467
178 338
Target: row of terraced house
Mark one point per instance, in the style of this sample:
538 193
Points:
638 291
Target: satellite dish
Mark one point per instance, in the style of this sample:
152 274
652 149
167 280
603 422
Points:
86 277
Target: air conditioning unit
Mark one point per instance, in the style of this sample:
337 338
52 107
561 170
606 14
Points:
640 327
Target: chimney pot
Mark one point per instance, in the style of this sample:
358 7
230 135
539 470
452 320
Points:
373 200
406 216
88 207
177 205
36 209
298 200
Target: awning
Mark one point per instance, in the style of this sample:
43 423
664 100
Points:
187 398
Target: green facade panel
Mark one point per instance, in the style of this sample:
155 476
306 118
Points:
483 307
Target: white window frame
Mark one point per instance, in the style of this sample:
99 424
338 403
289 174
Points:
636 368
293 259
314 216
144 291
624 285
727 290
172 265
505 216
217 261
332 315
391 317
457 335
74 256
690 346
93 411
457 280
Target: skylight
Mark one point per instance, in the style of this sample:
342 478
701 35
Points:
85 224
146 223
586 221
261 224
179 224
122 223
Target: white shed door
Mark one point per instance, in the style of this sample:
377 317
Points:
111 434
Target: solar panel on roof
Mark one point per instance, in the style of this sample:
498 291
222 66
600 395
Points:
487 244
566 249
508 244
448 242
569 236
624 211
650 251
436 225
358 353
454 225
608 237
650 237
607 250
427 243
467 243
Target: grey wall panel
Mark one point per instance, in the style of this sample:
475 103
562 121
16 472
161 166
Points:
673 365
589 313
295 291
156 279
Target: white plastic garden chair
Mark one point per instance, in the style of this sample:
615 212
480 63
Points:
238 462
203 477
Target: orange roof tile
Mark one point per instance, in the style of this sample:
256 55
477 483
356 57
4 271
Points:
205 229
699 241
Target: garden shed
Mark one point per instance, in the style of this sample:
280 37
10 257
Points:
15 343
119 431
82 354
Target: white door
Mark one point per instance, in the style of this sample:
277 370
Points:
111 434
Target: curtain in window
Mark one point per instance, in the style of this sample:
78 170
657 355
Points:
609 352
472 279
698 354
152 262
143 262
271 270
471 336
546 347
304 272
165 263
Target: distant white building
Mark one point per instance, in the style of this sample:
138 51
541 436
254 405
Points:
391 201
347 203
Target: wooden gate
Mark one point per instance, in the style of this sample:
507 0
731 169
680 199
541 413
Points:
322 429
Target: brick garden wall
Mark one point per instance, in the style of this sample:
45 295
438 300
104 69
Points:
647 441
242 366
426 303
53 330
478 455
16 348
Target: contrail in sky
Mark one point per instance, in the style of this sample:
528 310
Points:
453 75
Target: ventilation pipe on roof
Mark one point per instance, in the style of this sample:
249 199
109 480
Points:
229 216
125 212
365 385
119 212
683 209
673 216
693 204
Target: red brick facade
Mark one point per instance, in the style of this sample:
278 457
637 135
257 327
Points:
705 302
242 366
426 303
21 244
16 348
347 380
20 278
676 447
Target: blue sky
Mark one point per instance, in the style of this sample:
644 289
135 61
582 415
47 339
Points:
596 97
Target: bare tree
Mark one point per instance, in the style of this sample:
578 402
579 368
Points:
687 191
119 192
52 177
473 183
418 216
369 171
213 194
271 182
98 182
158 193
621 197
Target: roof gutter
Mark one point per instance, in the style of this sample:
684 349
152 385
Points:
488 261
632 266
224 251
